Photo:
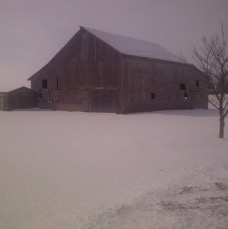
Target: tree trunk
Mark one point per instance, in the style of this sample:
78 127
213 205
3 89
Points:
221 127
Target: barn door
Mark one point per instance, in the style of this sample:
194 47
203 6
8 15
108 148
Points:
104 101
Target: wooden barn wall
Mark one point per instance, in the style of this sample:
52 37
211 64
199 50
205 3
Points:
78 73
199 94
154 85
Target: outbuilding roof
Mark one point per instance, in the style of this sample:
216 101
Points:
134 47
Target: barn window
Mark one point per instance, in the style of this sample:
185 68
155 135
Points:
152 95
44 83
197 83
182 87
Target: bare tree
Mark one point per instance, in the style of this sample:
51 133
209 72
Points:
212 58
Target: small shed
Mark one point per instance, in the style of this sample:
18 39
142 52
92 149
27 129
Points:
3 98
20 98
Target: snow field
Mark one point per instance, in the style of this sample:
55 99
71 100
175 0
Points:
68 170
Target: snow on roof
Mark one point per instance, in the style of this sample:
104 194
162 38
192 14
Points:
135 47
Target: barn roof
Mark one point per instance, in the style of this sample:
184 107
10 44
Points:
134 47
129 46
22 88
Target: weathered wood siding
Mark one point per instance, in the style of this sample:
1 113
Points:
82 71
155 85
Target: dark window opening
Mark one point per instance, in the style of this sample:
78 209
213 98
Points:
40 95
197 83
152 95
182 87
44 84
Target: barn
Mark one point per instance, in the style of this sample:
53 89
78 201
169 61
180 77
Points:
98 71
20 98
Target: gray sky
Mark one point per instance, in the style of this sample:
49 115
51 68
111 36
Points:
33 31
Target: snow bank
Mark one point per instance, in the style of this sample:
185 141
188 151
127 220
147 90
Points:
88 170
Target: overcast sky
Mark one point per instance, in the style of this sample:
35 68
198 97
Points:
33 31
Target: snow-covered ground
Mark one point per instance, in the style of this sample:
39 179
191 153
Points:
74 170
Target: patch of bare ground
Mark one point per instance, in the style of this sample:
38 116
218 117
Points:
188 207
